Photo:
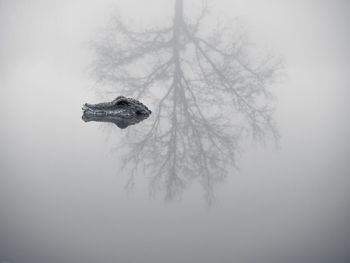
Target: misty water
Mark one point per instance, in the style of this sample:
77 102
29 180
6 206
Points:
62 193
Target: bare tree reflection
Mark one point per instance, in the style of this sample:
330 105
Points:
206 93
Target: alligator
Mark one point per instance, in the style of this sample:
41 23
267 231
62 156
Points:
121 111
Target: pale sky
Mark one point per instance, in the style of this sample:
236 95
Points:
61 199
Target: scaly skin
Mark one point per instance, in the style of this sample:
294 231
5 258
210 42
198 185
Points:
121 111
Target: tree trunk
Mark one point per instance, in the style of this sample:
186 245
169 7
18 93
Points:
178 20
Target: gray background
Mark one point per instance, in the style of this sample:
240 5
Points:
62 198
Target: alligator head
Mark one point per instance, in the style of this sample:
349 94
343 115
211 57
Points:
121 111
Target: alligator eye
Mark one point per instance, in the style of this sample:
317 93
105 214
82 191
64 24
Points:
122 103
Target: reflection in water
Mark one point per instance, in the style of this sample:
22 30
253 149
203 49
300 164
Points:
121 111
207 93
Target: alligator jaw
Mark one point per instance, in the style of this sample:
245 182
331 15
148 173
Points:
103 116
103 113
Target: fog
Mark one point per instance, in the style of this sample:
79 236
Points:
63 196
